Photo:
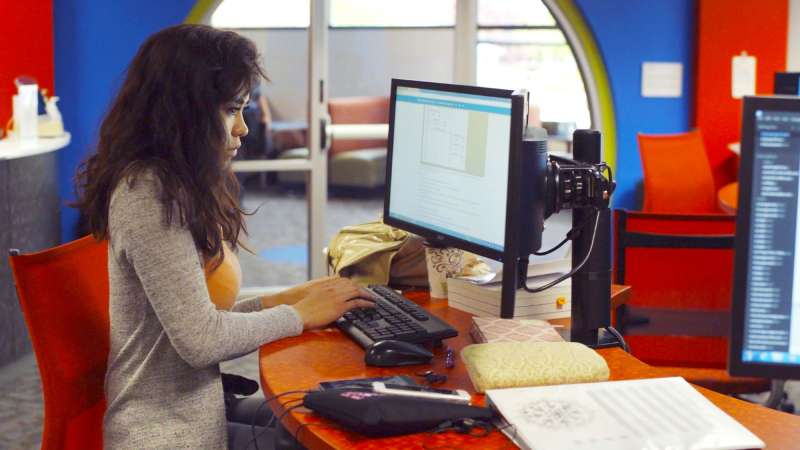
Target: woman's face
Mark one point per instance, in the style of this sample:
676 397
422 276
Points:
235 128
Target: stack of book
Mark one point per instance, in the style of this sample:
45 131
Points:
493 329
484 299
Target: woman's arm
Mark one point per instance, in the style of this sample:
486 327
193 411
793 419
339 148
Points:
168 266
293 295
286 297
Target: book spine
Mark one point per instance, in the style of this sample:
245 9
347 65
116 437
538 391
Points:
543 313
476 334
555 303
560 296
492 296
466 308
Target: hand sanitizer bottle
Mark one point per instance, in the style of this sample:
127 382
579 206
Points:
26 109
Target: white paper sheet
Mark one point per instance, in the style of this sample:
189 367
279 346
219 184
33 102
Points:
659 413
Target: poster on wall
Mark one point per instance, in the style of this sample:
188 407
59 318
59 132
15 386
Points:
662 79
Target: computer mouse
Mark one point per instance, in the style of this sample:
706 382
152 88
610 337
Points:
390 353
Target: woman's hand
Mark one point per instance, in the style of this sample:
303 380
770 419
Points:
328 299
294 294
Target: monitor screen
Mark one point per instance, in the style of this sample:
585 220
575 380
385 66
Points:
765 332
787 83
448 166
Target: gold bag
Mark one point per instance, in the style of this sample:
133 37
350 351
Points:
376 253
364 252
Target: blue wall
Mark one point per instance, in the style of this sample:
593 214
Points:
628 33
94 42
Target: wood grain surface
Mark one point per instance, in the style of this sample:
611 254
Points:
302 362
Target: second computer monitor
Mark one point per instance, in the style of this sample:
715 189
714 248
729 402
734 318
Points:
448 163
787 83
765 330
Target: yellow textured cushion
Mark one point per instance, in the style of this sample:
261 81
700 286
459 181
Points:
517 364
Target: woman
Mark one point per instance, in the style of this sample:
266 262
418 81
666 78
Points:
161 190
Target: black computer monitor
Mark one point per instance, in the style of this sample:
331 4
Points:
459 174
765 326
787 83
448 167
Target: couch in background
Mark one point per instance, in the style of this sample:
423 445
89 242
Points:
351 163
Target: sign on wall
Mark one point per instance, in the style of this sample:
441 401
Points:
743 75
662 79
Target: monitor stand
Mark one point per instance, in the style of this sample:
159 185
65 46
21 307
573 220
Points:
591 285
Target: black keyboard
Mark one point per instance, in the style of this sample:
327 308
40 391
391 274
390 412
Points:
394 317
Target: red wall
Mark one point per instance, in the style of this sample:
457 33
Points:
26 47
726 28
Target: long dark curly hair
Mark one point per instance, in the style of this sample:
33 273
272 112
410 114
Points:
166 119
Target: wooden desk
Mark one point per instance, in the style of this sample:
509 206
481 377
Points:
302 362
728 198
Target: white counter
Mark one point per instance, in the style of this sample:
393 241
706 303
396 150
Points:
12 149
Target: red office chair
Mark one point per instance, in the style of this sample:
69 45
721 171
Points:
63 292
677 174
680 269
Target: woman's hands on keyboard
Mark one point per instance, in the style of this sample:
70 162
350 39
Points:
328 299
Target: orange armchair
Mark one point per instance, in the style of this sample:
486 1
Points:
352 163
63 293
357 110
677 174
680 269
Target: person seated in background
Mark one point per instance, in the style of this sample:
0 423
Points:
160 188
257 144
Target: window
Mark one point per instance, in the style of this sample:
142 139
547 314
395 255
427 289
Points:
262 14
521 46
502 13
344 13
393 13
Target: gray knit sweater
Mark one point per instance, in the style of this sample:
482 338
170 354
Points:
163 382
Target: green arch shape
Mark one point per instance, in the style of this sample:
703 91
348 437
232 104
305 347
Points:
593 70
201 11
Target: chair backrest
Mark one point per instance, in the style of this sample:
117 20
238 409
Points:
357 110
680 269
677 174
63 292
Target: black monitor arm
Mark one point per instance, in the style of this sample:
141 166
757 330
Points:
584 185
